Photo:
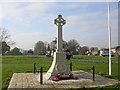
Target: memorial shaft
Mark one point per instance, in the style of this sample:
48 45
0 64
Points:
59 39
59 21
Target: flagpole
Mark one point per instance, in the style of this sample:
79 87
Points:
109 33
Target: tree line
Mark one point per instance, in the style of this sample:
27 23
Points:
40 47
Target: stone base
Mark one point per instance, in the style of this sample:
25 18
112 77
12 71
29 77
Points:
30 81
59 65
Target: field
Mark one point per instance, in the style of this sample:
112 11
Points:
12 64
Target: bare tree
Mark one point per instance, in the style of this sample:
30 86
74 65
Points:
73 46
5 42
53 44
39 48
5 37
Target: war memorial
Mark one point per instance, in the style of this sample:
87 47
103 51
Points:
59 75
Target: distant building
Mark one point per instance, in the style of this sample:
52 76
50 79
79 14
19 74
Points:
105 52
30 52
24 52
113 50
94 51
117 51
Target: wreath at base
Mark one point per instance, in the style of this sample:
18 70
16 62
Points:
64 77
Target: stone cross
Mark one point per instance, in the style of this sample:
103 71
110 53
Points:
59 64
59 21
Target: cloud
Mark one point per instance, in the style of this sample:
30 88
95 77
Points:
1 11
114 13
28 40
28 0
71 5
87 21
90 28
58 0
24 11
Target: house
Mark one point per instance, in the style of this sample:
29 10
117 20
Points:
105 52
94 51
117 49
113 50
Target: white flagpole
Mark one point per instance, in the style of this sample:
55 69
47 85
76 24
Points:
109 32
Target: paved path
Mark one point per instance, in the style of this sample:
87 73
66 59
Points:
80 60
30 81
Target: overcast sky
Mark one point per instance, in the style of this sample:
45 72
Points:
30 22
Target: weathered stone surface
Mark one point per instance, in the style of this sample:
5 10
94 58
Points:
23 80
31 81
59 65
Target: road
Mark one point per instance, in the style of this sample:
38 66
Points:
79 60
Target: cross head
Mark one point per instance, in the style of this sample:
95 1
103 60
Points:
59 21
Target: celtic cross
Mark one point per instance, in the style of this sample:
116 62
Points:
59 21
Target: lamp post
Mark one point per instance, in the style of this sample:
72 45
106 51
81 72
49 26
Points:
109 33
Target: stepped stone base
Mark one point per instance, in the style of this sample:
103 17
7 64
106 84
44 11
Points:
30 81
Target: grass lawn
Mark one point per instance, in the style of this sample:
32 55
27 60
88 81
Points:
0 80
12 64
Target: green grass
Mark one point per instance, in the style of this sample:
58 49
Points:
100 68
12 64
0 73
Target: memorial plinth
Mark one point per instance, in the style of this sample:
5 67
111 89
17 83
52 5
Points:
59 64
